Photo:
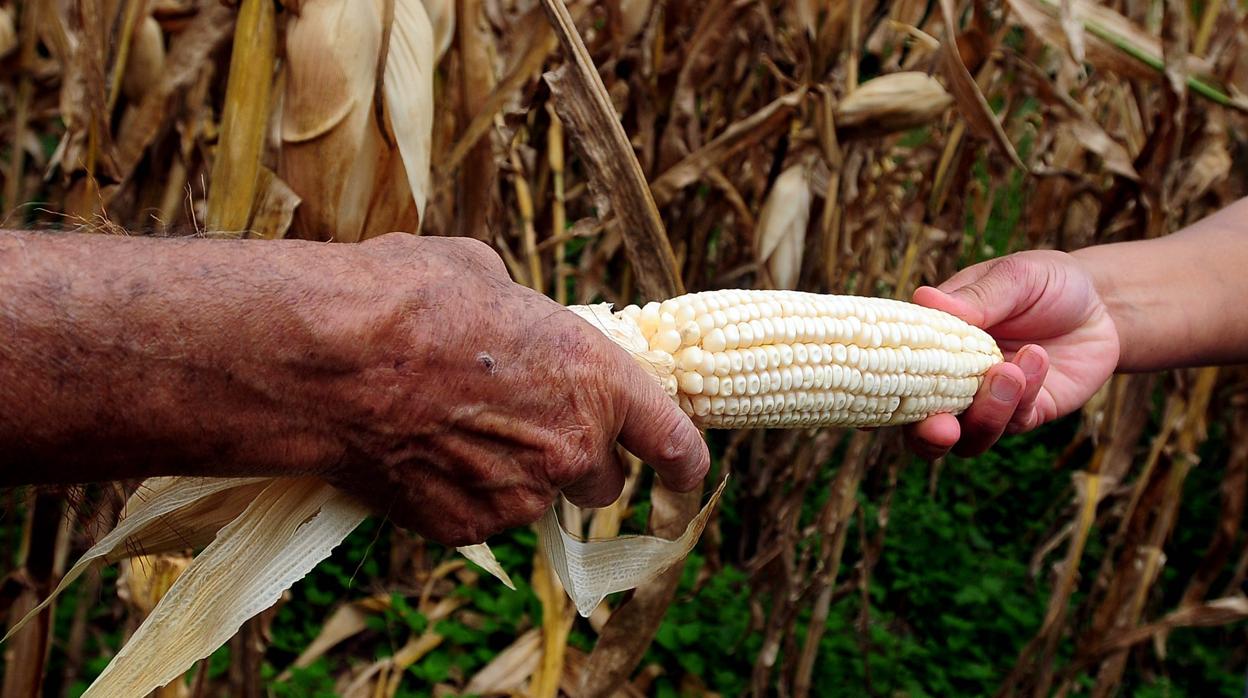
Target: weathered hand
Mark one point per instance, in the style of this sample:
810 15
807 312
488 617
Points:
1045 313
476 400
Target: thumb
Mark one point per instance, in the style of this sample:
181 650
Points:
989 295
661 435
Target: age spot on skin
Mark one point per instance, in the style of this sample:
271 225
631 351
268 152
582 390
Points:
487 362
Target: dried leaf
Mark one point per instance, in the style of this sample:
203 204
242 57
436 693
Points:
274 207
634 14
590 570
283 534
971 101
145 579
759 126
441 14
808 16
346 621
146 524
409 94
333 154
484 558
8 33
625 638
583 104
508 671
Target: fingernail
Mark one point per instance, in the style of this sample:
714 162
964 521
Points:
1005 388
1030 362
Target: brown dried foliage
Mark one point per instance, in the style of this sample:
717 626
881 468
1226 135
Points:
716 99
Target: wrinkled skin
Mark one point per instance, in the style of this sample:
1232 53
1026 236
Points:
408 371
508 400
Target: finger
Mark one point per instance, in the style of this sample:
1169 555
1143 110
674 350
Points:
1044 409
933 437
657 432
966 276
994 405
601 486
1006 288
1034 361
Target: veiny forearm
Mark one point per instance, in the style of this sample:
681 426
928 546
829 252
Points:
1178 300
135 357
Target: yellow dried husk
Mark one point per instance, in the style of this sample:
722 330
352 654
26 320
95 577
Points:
782 226
893 102
442 18
8 33
146 64
352 178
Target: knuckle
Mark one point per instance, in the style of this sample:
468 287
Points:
573 453
482 254
525 505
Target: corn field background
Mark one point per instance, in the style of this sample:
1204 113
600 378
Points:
856 146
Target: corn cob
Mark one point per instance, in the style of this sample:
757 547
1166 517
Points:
743 358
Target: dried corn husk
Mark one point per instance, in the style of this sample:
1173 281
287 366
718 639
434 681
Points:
782 226
633 17
279 529
891 103
144 580
8 33
360 171
290 527
442 18
146 64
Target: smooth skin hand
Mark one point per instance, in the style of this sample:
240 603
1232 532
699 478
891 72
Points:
409 371
1067 322
1046 315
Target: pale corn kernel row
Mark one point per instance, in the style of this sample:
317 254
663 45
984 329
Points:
743 358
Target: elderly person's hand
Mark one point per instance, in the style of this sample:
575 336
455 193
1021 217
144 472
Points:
1044 311
409 371
480 400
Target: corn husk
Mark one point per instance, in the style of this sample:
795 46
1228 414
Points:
782 226
442 18
290 527
8 32
162 515
590 570
144 580
360 170
145 65
633 17
892 102
278 530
